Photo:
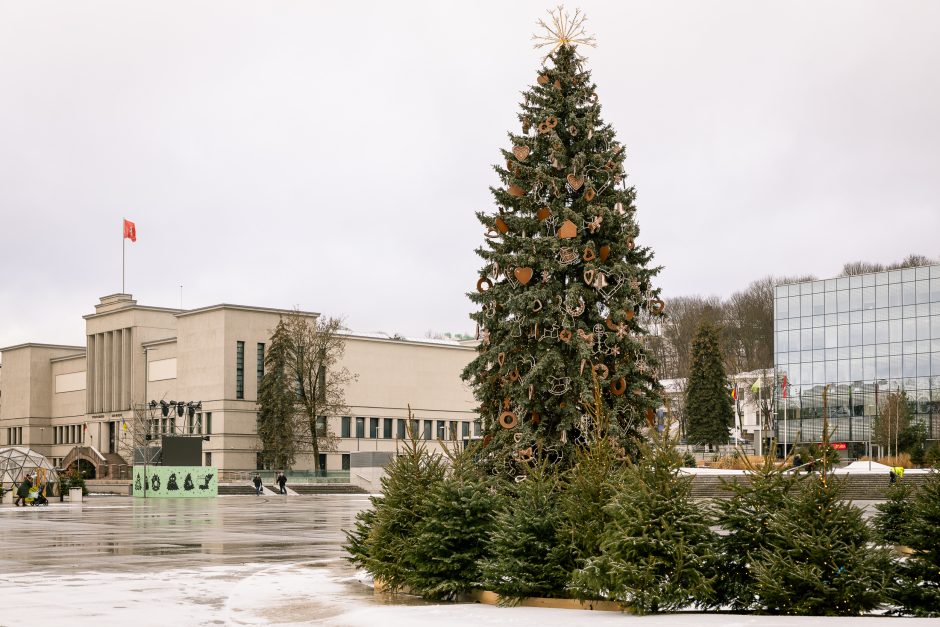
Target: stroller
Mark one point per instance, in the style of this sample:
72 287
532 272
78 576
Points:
37 497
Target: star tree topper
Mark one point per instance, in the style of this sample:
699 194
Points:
565 30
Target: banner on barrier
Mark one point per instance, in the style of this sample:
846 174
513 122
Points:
176 481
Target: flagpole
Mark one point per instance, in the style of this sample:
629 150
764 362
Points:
123 249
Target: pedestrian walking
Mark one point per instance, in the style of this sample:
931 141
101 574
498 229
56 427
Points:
22 492
257 482
282 481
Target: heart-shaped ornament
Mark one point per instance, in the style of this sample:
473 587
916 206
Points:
575 181
589 276
604 252
543 214
567 230
501 226
501 358
523 275
515 191
521 152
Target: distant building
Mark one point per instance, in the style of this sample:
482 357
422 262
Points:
846 343
75 404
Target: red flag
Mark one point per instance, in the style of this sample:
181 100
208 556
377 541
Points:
783 385
130 230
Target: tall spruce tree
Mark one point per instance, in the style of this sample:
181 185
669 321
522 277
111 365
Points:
709 408
918 589
277 420
565 289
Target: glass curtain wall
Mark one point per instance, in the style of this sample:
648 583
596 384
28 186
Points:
864 337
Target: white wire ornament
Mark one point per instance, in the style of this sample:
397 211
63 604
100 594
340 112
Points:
565 30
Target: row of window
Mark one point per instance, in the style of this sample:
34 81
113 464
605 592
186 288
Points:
846 335
68 434
866 298
864 280
868 315
240 368
14 435
863 369
389 428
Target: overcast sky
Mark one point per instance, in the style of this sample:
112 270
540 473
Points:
331 155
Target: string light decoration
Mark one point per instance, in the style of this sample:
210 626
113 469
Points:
564 30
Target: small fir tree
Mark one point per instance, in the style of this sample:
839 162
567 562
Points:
382 539
746 517
892 523
452 536
709 407
524 556
657 554
816 559
565 290
917 590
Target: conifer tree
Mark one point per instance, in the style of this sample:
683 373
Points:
709 408
452 537
276 401
892 523
524 556
746 518
657 554
918 588
565 288
816 559
382 538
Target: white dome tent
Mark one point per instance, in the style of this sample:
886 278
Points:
16 462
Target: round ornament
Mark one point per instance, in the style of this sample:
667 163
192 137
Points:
552 121
601 371
657 306
515 191
618 386
508 420
542 79
565 335
484 281
588 254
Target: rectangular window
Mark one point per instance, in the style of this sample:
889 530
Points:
440 430
345 427
360 427
239 370
373 428
465 426
402 428
260 365
345 461
322 462
428 429
208 423
208 459
387 428
321 426
477 428
453 429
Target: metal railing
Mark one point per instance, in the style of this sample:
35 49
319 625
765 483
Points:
293 477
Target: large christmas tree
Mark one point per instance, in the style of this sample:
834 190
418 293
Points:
566 291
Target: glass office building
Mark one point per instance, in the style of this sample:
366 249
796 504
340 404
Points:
847 343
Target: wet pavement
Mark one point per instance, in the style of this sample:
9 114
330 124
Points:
117 560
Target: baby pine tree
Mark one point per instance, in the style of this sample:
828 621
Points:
657 553
892 523
918 589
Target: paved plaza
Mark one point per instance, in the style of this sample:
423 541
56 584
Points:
238 560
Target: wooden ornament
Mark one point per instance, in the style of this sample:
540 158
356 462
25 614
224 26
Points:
521 152
491 233
536 418
523 275
567 230
575 181
536 306
618 386
544 128
542 79
543 214
501 226
501 359
487 439
508 420
589 276
604 253
631 243
630 314
552 121
589 194
613 326
526 125
589 254
565 335
515 191
601 371
650 417
557 84
618 207
657 306
514 375
484 281
506 404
